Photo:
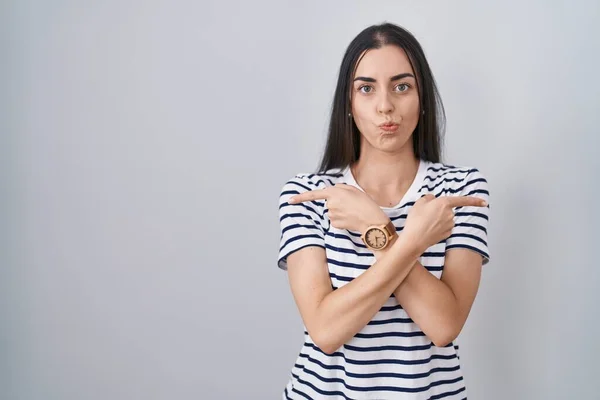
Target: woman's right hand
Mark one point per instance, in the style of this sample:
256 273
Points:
431 219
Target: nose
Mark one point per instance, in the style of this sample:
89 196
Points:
385 105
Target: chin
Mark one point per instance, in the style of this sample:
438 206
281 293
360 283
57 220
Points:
392 141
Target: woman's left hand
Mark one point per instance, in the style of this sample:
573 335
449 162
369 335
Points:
349 207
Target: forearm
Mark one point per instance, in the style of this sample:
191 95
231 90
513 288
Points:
345 311
431 304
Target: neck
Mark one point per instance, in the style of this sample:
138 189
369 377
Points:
385 176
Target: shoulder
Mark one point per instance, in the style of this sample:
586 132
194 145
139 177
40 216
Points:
303 182
453 179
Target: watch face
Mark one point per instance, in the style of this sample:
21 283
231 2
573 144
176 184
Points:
376 238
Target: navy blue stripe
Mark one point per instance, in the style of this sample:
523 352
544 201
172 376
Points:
445 172
341 236
361 267
433 254
393 361
391 321
381 348
312 360
301 393
369 388
447 394
323 181
391 308
471 214
459 190
336 175
434 178
371 375
287 396
450 168
379 361
468 225
466 235
476 180
478 191
441 182
301 205
401 216
388 334
294 226
447 180
404 376
340 278
466 246
434 269
297 215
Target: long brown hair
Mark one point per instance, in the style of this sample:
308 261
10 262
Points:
343 141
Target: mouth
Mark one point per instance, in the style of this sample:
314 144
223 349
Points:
389 127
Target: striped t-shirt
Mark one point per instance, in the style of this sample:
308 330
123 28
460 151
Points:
390 358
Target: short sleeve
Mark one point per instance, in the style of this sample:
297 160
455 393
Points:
471 223
301 225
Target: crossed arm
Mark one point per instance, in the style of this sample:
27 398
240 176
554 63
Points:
439 307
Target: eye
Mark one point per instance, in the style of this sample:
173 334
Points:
402 87
365 89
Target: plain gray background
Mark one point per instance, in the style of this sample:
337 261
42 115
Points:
144 145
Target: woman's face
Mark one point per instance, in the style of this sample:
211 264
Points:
384 91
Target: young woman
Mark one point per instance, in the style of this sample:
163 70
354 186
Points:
384 245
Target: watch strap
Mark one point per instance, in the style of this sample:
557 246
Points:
390 228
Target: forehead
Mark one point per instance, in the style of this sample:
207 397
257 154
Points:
384 62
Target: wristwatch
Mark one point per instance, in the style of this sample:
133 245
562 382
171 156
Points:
378 237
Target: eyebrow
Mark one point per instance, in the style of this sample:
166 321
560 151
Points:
392 79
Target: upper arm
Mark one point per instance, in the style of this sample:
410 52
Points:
471 223
302 247
301 225
467 246
462 274
309 281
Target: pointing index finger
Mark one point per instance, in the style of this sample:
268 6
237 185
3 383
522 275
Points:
319 194
463 201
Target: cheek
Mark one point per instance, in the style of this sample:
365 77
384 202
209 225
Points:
362 112
360 106
410 107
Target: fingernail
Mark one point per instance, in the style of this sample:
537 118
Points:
291 200
484 203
